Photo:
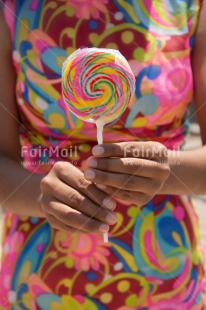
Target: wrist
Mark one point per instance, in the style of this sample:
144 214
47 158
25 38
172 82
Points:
173 160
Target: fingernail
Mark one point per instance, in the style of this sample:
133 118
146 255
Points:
89 174
104 228
100 186
111 218
109 203
98 150
91 162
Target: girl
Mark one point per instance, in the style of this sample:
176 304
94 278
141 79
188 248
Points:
135 186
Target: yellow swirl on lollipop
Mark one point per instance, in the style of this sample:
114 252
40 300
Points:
97 84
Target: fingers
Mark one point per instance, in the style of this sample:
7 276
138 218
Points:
76 180
130 171
55 223
65 218
79 202
150 150
138 198
63 199
133 166
119 180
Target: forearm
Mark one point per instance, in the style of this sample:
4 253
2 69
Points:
187 173
19 189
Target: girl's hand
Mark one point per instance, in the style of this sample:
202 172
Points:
72 203
132 172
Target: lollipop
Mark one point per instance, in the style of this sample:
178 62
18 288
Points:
97 86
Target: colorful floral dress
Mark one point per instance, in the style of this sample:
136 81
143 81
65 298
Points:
153 259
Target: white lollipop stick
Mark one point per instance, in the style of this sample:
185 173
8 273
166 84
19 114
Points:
100 126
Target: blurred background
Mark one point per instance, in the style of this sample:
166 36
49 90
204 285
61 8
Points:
193 140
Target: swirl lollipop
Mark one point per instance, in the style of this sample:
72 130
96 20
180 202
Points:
97 86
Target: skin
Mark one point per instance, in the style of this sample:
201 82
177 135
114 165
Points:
66 197
138 179
58 198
